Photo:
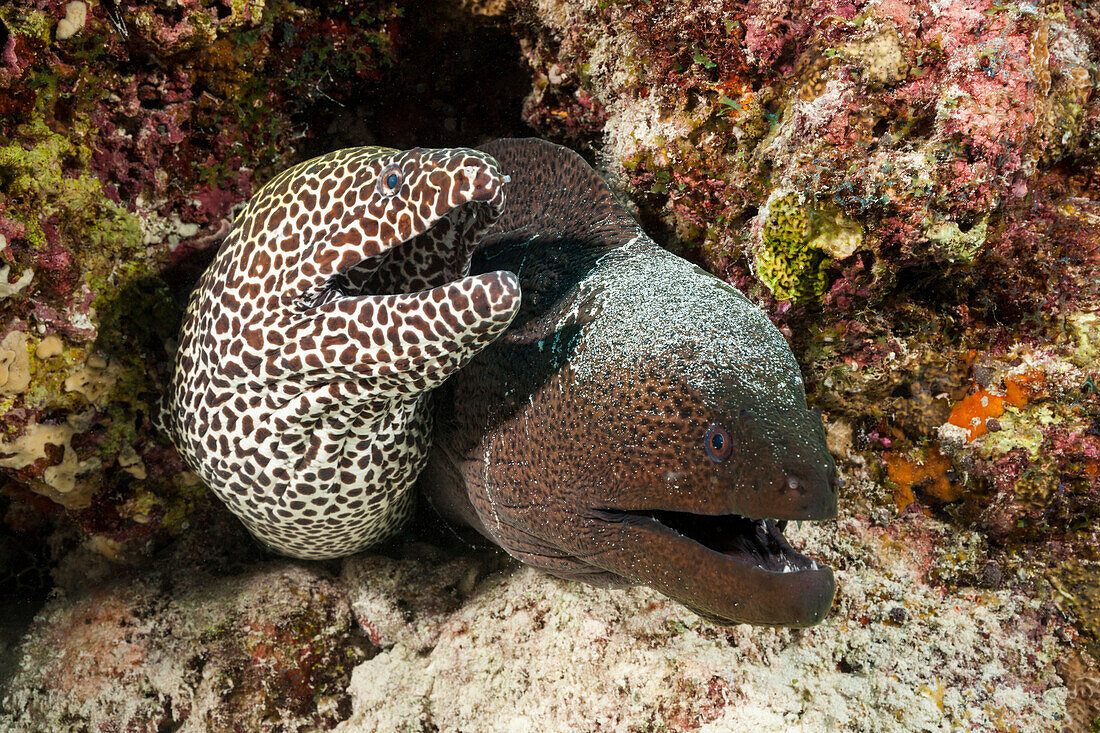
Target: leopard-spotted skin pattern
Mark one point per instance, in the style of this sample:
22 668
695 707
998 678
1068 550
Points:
338 301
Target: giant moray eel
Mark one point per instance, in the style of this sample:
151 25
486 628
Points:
640 421
309 348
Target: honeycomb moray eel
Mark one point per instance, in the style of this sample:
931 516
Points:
311 344
639 422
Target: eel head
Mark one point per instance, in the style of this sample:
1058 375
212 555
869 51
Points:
669 446
363 221
337 267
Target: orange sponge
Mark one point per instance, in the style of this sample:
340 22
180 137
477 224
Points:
971 412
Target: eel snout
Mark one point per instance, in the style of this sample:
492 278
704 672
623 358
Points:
485 182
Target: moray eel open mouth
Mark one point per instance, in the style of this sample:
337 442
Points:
725 567
753 542
442 249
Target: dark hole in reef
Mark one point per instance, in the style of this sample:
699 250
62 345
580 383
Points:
846 666
766 170
149 97
224 9
459 80
691 100
63 111
926 284
774 108
966 223
173 16
789 51
140 316
922 126
25 561
880 128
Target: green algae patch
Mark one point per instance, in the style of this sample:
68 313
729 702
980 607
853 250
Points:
949 242
32 23
1084 330
798 243
1019 429
1077 586
48 377
85 247
48 189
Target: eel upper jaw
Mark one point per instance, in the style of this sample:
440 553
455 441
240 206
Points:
483 205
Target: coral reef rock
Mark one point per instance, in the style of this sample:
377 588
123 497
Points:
515 649
829 143
270 649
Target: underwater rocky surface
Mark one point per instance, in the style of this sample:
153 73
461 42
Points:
910 189
455 638
523 648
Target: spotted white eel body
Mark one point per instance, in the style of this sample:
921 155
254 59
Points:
339 300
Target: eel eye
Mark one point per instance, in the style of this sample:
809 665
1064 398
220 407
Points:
389 181
718 443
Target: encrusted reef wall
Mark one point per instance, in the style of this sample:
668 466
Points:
128 131
909 188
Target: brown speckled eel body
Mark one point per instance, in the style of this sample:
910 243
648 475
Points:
639 422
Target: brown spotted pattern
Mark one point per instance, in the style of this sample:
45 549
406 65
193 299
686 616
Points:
337 303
